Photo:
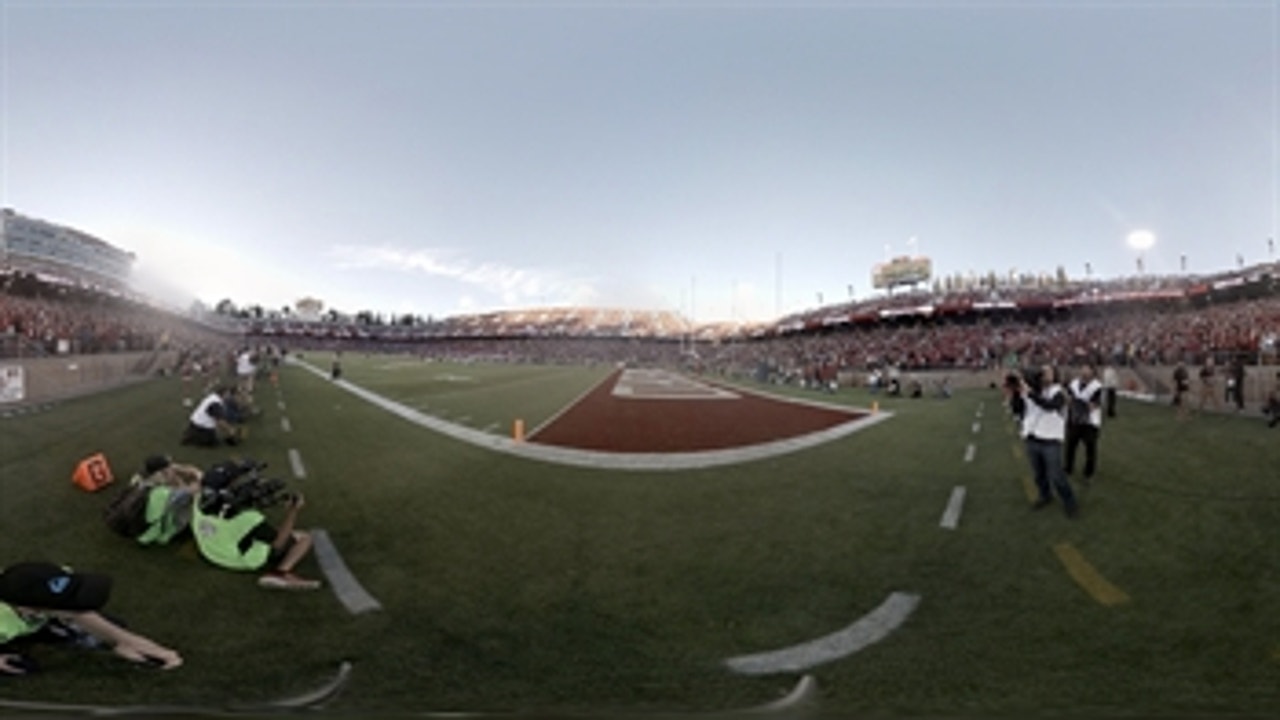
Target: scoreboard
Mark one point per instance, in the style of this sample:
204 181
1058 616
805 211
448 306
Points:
902 271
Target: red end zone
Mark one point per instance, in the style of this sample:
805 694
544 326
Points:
656 412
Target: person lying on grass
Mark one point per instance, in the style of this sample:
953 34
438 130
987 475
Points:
41 602
232 531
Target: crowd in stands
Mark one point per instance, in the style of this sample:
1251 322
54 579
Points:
39 318
987 329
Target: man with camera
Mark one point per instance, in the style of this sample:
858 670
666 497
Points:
1043 430
232 532
155 507
1084 421
213 421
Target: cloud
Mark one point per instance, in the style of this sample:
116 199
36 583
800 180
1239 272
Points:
514 285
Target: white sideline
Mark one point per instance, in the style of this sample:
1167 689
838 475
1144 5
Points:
349 591
867 630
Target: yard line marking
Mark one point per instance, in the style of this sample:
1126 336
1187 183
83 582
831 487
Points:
572 403
663 385
867 630
804 693
1029 488
463 419
951 516
284 424
490 427
344 584
969 452
1087 577
977 427
295 460
280 404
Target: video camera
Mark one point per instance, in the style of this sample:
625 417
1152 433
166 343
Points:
1031 376
236 485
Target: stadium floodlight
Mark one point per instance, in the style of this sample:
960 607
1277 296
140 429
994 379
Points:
1141 240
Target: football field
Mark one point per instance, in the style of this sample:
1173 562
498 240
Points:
894 560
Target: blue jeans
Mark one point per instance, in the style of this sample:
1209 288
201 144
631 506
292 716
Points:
1046 464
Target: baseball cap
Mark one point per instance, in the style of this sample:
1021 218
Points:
46 586
155 464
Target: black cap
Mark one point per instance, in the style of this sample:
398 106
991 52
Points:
46 586
155 464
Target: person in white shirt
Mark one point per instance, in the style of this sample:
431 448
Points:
1044 429
246 368
1084 421
1110 385
209 424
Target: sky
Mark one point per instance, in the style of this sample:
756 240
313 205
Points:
731 161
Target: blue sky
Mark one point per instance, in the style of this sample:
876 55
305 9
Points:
728 160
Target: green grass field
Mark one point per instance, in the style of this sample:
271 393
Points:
511 584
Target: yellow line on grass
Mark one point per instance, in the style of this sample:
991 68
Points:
1029 488
1089 578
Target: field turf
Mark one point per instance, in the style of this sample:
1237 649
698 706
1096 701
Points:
511 584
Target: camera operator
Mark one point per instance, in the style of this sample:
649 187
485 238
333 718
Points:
211 423
1043 430
42 602
1012 389
232 532
172 487
1084 421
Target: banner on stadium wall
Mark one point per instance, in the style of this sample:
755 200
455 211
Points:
12 383
902 271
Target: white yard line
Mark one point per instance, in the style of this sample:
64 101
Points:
970 452
344 584
867 630
295 461
284 424
951 516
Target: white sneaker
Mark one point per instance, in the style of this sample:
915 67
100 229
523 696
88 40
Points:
286 581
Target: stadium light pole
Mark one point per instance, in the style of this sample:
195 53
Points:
1183 261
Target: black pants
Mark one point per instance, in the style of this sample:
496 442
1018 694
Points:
1088 434
1110 397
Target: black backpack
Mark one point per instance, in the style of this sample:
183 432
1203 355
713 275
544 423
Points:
127 513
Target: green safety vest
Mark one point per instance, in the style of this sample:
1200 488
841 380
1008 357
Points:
13 625
162 525
219 539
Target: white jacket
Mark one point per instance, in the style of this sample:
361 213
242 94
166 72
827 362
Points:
1042 423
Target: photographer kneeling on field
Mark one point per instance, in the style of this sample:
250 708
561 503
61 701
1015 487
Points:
41 602
232 532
